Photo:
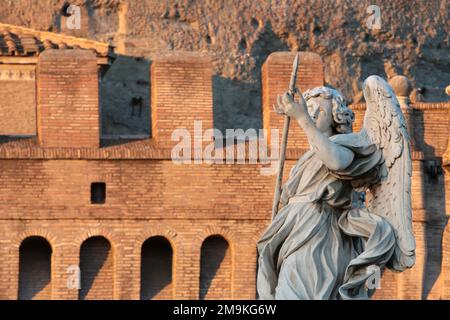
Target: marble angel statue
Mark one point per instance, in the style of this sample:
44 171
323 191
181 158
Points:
321 245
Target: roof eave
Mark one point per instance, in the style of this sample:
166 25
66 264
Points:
33 60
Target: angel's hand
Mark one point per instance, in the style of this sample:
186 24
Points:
288 106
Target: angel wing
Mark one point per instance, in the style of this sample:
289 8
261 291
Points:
385 126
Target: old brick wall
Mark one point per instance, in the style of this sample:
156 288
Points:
137 207
127 237
18 105
134 189
68 100
46 192
181 93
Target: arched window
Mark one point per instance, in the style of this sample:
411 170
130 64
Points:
35 269
156 269
215 269
97 269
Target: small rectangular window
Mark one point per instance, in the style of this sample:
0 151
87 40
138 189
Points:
98 192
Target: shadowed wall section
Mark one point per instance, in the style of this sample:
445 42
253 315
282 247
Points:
215 269
97 269
156 269
35 269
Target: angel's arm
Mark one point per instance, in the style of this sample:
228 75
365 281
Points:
334 156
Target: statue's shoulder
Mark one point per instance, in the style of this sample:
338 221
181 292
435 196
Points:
349 139
357 142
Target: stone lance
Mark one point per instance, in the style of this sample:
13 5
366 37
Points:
292 90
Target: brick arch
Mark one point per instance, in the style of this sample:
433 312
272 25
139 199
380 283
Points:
15 254
98 267
212 230
114 242
98 232
35 266
209 268
155 231
216 268
226 233
163 288
38 232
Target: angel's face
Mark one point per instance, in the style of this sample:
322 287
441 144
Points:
321 112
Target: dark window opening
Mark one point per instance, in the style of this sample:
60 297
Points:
98 192
35 255
156 269
96 269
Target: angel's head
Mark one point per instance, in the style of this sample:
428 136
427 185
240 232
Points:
328 110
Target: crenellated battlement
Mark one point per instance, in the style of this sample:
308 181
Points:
53 157
68 99
66 115
181 93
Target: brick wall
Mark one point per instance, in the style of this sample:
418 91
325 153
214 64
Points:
134 189
46 192
127 237
140 195
276 74
67 111
18 103
181 92
431 127
180 215
388 287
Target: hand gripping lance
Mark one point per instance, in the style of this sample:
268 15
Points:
292 90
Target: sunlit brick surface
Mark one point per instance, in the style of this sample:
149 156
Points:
45 186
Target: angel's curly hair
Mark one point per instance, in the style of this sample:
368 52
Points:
343 116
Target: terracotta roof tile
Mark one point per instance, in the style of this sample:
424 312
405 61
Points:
20 41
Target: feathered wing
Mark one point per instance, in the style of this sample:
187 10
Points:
385 126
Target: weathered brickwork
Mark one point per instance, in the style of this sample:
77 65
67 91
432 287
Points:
67 107
18 92
127 237
168 230
181 93
138 189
